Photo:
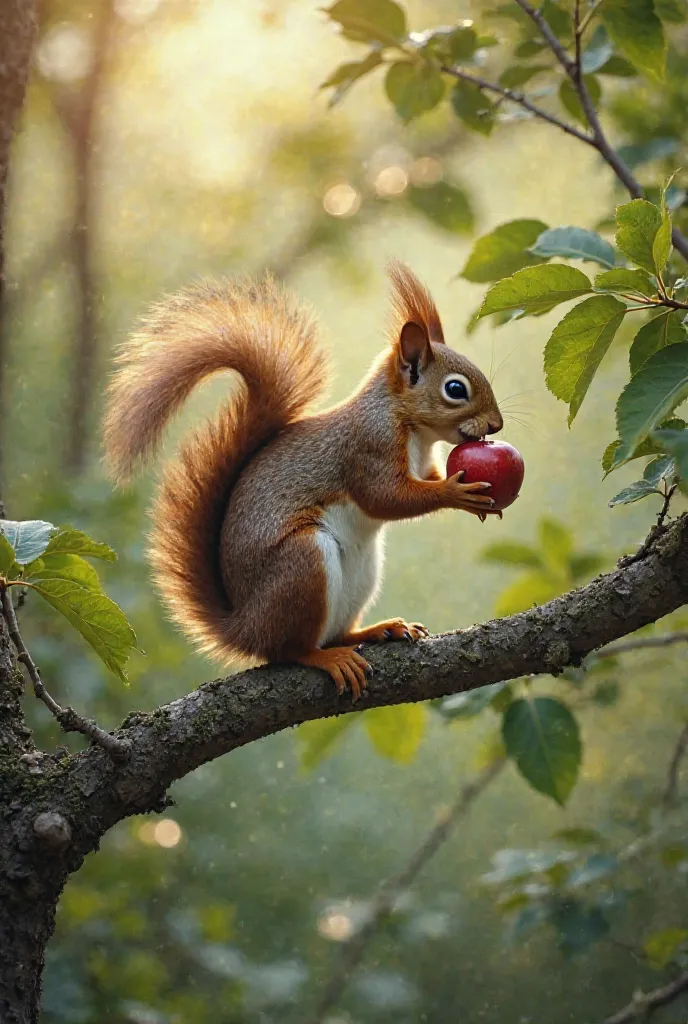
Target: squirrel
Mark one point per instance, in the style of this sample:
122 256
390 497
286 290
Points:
267 538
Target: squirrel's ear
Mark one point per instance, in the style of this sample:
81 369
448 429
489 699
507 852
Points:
414 349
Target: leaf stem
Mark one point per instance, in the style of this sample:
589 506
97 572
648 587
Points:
68 718
588 17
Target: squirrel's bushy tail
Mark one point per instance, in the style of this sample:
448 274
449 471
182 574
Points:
256 329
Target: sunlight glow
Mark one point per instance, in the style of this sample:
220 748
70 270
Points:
336 926
391 181
64 55
167 833
342 200
426 170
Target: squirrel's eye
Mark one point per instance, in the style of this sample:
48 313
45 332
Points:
456 389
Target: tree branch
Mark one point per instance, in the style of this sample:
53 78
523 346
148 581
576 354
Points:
667 640
599 140
383 903
518 97
225 714
679 752
643 1005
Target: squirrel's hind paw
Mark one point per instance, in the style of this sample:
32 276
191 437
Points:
344 665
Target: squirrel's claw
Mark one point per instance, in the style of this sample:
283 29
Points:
344 665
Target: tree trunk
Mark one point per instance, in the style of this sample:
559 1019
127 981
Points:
27 912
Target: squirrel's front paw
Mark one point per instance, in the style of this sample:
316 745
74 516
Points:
468 496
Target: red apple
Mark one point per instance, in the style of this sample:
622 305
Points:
496 462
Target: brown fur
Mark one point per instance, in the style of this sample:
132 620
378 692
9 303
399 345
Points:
255 329
411 302
240 516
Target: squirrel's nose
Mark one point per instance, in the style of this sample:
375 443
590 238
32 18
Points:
494 423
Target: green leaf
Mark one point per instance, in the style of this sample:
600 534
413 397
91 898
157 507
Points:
343 77
577 346
638 223
676 443
606 693
370 21
556 545
578 926
597 52
570 101
95 616
618 67
652 394
541 736
413 88
66 567
7 556
530 589
647 447
579 836
637 31
519 74
662 467
622 280
675 12
530 48
661 947
634 492
29 538
68 541
503 251
316 740
473 107
585 565
396 732
574 244
665 329
462 44
536 289
445 205
470 704
637 153
510 552
661 247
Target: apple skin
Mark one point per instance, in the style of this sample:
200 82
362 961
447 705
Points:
498 463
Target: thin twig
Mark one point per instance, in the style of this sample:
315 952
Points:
654 533
644 1004
383 903
67 717
640 643
577 38
518 97
599 140
666 301
671 788
588 17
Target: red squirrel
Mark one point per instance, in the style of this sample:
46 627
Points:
267 528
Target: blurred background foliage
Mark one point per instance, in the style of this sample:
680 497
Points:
165 139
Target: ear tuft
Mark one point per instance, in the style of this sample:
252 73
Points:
412 303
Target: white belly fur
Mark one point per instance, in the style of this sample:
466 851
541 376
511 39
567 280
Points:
352 547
